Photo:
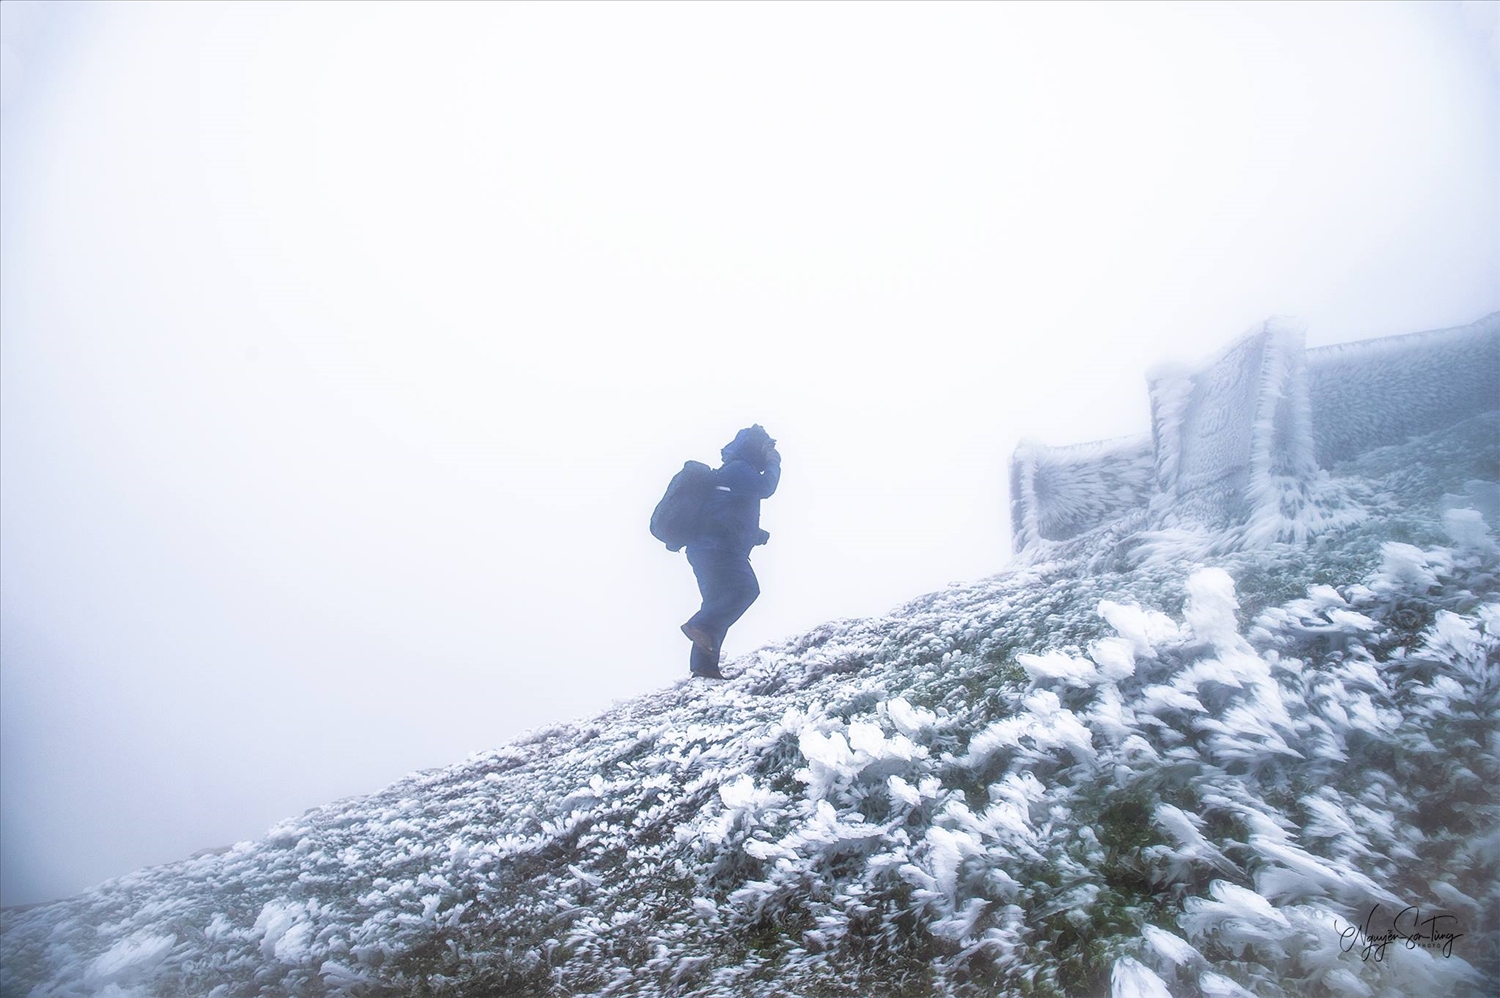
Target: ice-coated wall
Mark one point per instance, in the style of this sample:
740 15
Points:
1225 429
1058 493
1238 442
1379 392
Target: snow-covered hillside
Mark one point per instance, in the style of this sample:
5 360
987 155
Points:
1154 760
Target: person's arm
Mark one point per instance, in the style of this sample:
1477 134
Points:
771 477
741 478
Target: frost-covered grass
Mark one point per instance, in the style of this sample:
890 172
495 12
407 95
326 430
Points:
1158 763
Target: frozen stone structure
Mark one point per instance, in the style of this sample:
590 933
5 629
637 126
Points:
1242 445
1069 491
1423 382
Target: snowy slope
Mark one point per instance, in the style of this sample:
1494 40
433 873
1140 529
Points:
1153 765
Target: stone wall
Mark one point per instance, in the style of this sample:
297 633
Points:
1379 392
1238 441
1058 493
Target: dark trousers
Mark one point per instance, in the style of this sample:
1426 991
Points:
728 585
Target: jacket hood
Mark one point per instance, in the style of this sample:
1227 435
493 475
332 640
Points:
747 445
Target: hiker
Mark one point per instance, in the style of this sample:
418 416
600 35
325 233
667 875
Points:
719 549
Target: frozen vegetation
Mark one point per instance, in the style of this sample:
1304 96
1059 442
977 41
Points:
1157 758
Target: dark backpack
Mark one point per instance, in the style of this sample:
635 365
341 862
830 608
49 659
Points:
678 518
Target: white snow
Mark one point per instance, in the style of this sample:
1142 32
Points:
131 958
1132 979
1210 609
1170 945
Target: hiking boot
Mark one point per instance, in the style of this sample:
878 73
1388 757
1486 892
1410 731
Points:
701 638
708 672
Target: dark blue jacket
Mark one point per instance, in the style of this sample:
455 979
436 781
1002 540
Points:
731 516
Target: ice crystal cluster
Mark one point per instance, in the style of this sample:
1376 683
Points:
1182 760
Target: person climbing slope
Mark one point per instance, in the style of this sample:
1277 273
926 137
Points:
719 549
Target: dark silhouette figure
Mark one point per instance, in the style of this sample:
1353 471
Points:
720 552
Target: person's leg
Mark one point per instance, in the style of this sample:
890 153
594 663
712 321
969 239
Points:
741 589
703 659
702 663
728 586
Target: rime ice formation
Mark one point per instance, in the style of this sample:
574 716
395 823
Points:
1071 490
1240 443
1196 767
1426 380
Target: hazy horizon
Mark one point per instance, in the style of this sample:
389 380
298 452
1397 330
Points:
345 348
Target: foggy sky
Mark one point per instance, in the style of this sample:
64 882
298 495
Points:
345 349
